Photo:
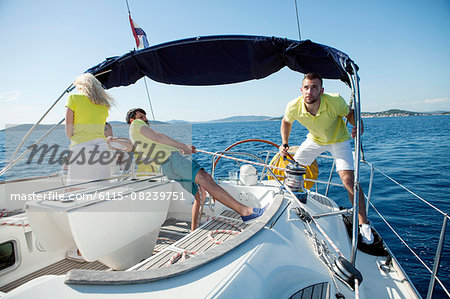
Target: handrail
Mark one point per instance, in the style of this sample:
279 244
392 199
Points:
354 83
221 154
441 241
437 259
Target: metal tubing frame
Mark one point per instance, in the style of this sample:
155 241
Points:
372 170
354 80
237 153
329 178
265 173
341 212
437 258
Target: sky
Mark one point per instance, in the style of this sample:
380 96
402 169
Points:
401 47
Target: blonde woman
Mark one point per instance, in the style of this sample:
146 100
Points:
86 115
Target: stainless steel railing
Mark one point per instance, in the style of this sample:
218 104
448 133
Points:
433 272
440 245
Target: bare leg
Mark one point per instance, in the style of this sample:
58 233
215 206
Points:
197 208
347 177
206 181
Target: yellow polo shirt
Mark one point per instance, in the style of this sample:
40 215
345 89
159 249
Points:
146 149
89 119
327 126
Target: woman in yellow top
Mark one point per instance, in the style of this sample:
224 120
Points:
86 115
85 122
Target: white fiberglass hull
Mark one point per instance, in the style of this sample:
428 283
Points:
275 261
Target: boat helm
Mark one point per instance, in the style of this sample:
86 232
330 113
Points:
248 176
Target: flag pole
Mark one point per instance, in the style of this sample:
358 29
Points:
145 81
128 7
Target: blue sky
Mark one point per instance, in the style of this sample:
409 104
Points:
401 47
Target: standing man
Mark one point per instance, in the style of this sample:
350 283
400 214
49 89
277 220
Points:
165 151
322 114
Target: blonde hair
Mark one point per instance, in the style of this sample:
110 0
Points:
88 85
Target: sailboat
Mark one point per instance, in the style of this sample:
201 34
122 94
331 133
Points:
304 246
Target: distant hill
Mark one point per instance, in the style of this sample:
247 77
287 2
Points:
387 113
390 113
241 118
276 118
46 127
26 127
122 123
399 112
177 121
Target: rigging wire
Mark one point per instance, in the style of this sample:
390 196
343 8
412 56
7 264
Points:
149 100
298 21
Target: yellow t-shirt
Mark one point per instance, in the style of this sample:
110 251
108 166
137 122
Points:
89 119
147 150
328 126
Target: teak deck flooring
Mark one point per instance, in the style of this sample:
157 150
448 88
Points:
173 239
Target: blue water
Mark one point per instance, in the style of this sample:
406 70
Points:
412 150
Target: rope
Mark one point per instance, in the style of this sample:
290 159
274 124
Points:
6 212
245 141
223 231
318 227
12 221
220 231
240 160
180 256
16 223
226 221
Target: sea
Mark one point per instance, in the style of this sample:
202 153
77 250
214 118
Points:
410 157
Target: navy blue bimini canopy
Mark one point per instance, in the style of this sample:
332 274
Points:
216 60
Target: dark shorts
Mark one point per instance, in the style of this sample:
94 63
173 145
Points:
182 169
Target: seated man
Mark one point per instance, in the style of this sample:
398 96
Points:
165 151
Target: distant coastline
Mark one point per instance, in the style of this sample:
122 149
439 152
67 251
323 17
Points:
248 118
399 113
392 113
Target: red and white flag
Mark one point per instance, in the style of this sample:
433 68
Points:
139 35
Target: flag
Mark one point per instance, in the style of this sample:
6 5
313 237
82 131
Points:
139 35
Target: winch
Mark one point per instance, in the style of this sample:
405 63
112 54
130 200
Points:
294 177
294 180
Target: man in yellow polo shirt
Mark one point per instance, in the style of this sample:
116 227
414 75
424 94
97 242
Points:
162 150
322 114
